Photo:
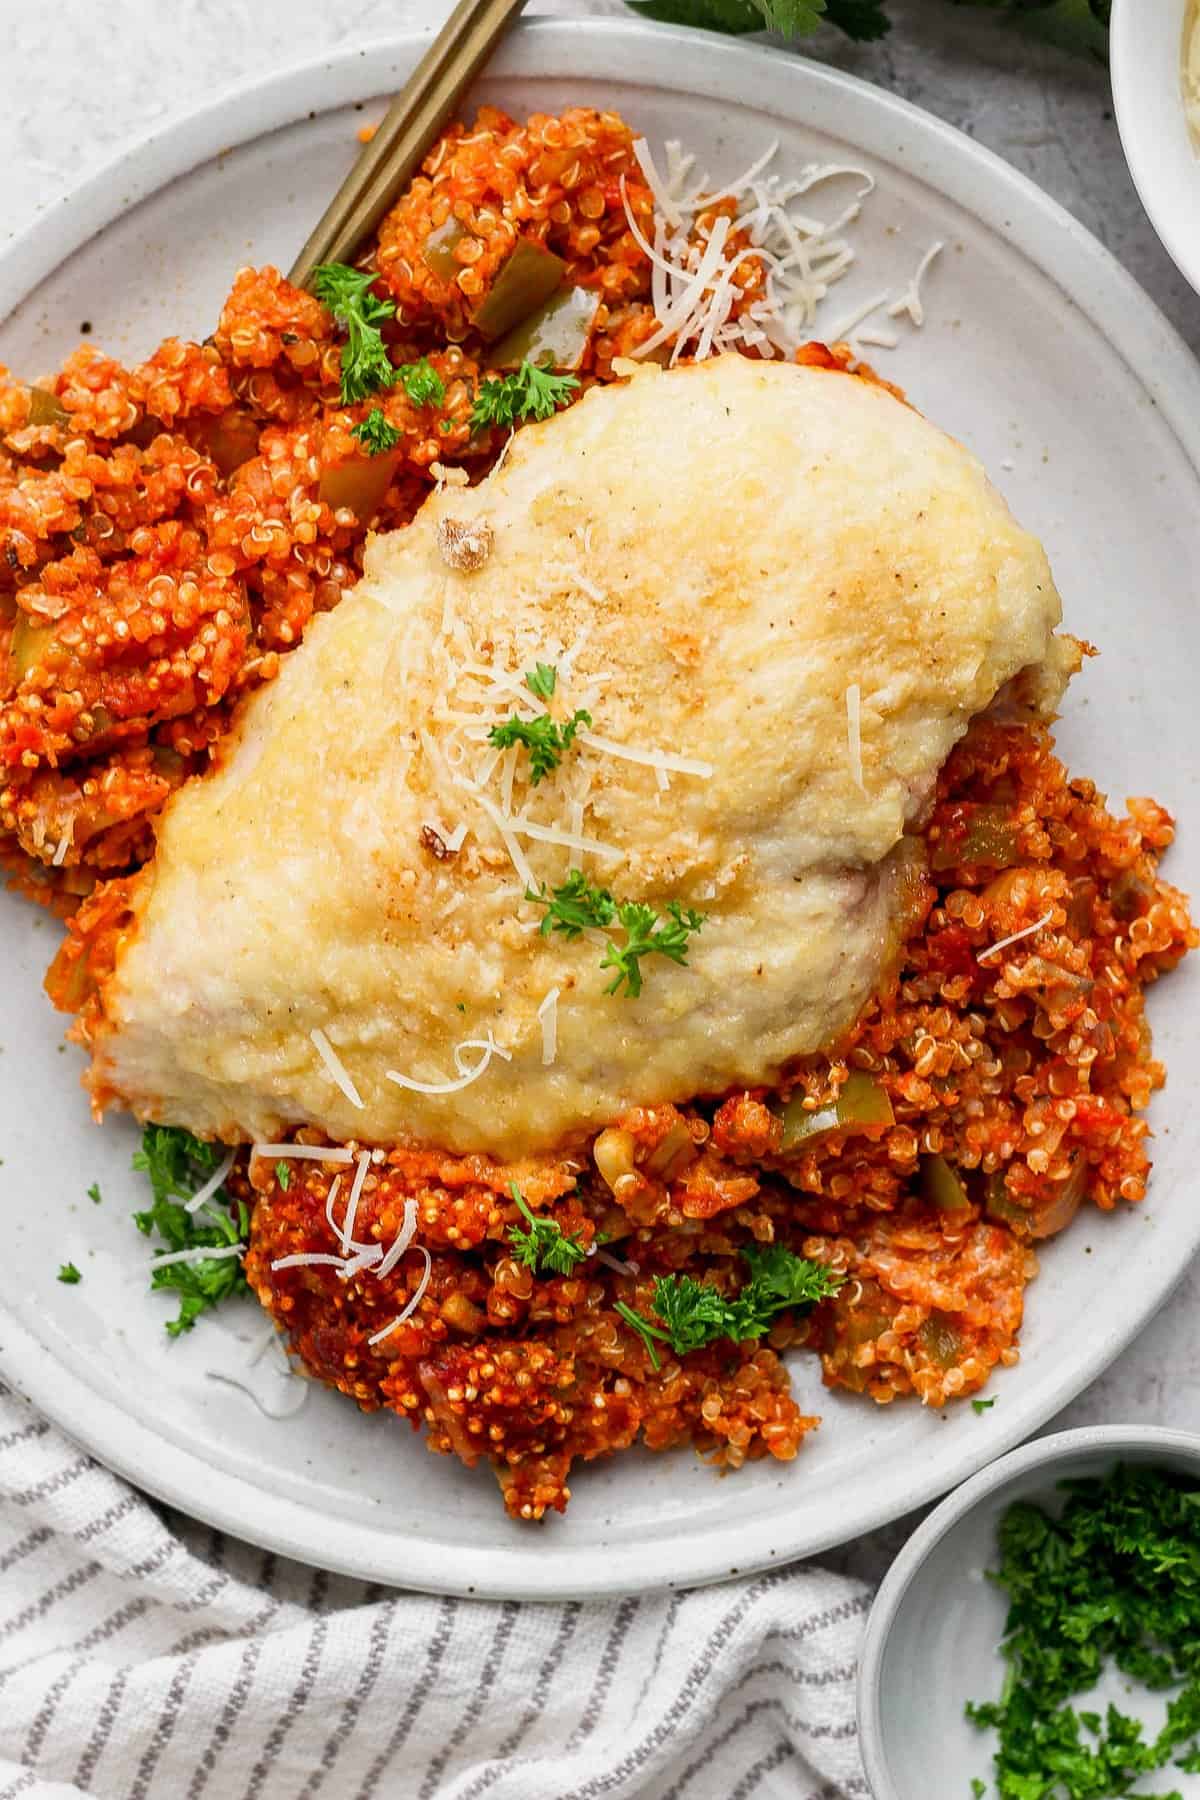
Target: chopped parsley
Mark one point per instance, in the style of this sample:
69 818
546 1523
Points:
648 933
175 1163
575 907
93 1193
283 1175
1114 1579
979 1407
694 1313
69 1274
544 1245
529 393
376 433
422 383
578 906
545 739
346 293
542 681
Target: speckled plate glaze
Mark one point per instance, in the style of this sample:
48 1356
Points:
1042 355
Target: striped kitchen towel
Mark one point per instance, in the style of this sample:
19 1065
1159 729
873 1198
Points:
144 1657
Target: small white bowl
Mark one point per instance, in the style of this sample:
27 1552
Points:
1145 46
933 1637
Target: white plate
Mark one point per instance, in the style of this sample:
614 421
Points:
1054 366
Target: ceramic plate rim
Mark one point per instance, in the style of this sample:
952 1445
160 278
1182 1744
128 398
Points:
1060 1447
997 196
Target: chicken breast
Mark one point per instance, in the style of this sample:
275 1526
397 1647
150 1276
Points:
778 595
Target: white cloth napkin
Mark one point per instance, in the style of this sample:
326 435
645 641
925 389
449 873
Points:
145 1657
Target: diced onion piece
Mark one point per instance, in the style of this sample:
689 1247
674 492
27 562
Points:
861 1101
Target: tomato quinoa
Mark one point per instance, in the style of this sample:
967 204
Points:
167 533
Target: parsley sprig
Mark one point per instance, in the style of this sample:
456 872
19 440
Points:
860 19
545 739
529 392
1115 1578
693 1313
347 294
542 1244
376 433
422 383
578 906
176 1164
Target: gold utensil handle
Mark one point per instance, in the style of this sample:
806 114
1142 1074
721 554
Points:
406 131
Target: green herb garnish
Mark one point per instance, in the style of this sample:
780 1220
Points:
978 1407
545 739
544 1245
694 1313
69 1274
422 383
376 433
542 681
176 1164
93 1193
347 294
529 393
1076 24
283 1175
1115 1579
578 906
575 907
863 20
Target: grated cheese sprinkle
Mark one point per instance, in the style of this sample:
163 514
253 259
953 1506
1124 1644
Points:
547 1014
404 1237
336 1068
1015 937
694 285
212 1184
202 1254
487 1047
909 301
413 1302
305 1152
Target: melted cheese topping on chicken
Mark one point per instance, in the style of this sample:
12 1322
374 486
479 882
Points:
779 593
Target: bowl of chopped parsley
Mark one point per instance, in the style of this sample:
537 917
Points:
1038 1638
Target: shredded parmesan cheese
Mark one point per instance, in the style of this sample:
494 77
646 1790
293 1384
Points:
404 1237
61 848
854 732
309 1259
336 1068
547 1014
212 1184
487 1047
910 300
203 1254
695 290
650 759
1015 937
305 1152
413 1302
